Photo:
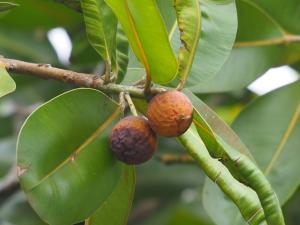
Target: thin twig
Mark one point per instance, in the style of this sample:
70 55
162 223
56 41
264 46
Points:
46 71
130 104
144 209
174 159
140 83
9 184
180 85
122 101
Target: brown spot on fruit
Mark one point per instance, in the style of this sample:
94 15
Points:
170 113
132 140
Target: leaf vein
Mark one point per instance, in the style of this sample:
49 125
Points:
80 148
284 139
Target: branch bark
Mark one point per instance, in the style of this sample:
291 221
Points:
9 184
170 159
46 71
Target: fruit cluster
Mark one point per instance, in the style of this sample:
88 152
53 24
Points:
133 139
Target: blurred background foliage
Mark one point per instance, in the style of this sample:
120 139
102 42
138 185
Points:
165 194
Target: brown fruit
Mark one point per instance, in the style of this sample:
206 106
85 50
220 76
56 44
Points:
132 140
170 113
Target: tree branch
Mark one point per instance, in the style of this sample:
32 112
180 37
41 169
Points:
46 71
174 159
9 184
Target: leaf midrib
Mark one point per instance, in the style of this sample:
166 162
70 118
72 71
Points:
77 151
108 56
194 47
131 170
100 25
138 41
270 41
283 141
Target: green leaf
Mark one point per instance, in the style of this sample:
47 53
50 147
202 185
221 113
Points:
210 127
267 36
64 163
26 45
297 66
219 207
270 127
224 144
156 179
115 210
73 4
6 120
218 31
219 26
227 162
83 56
147 36
7 84
133 75
121 55
189 23
166 8
101 27
179 211
263 126
16 210
291 209
243 196
4 6
44 15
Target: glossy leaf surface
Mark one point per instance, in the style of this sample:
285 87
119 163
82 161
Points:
219 26
26 45
268 36
189 23
143 27
211 128
64 163
44 15
7 84
218 32
243 196
101 27
224 144
115 210
121 55
270 127
4 6
219 207
16 210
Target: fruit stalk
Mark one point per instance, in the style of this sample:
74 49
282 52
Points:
131 105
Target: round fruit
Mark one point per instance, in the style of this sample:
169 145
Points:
170 113
132 140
